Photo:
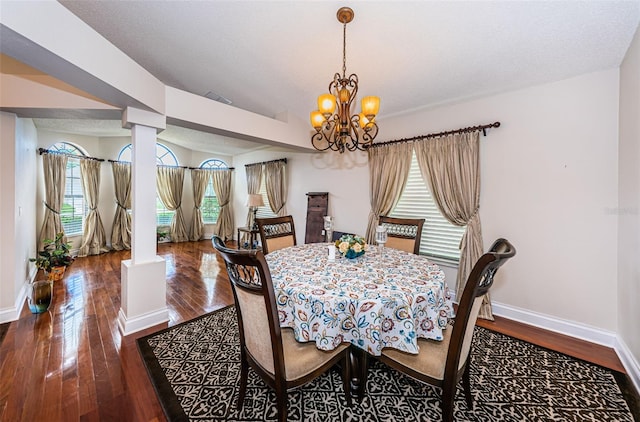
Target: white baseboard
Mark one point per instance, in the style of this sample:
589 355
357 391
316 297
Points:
629 362
139 323
12 313
552 323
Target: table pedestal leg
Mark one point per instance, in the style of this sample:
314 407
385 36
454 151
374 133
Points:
359 368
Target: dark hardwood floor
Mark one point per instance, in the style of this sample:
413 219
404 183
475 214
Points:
71 363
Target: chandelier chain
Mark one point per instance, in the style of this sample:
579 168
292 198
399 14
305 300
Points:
344 50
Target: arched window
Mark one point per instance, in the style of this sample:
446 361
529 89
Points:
210 207
74 207
164 157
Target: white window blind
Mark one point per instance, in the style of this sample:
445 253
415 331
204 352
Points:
440 239
265 211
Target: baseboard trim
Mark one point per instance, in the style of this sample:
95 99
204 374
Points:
13 313
629 362
132 325
566 327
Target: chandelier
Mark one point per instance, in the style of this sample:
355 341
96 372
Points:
340 129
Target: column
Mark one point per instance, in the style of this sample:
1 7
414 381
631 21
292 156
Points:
143 277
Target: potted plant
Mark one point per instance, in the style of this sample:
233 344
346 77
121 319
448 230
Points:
54 257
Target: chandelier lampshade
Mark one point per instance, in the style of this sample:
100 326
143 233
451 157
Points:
337 126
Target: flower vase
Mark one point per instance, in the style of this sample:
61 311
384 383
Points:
40 296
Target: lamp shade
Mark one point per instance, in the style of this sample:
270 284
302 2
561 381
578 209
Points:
326 104
370 106
255 200
317 120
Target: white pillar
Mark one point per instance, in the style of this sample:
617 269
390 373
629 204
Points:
143 277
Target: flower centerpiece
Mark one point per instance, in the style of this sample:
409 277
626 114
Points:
351 246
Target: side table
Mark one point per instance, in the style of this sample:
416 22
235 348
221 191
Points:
253 236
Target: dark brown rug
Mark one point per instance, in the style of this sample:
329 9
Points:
195 369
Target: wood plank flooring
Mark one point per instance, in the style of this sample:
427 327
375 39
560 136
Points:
72 364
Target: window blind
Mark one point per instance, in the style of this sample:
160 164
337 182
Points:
440 239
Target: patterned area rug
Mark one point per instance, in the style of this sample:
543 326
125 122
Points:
195 369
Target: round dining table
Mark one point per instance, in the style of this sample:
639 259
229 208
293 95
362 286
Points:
384 298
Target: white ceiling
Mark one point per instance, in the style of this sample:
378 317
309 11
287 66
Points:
275 56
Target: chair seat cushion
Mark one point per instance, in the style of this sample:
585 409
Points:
431 358
301 359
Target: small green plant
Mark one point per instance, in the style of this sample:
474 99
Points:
55 253
161 235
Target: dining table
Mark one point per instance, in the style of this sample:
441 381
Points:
383 298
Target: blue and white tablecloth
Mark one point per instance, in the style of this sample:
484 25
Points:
373 302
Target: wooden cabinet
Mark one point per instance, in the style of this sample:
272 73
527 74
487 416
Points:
317 205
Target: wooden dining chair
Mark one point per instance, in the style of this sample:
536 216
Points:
276 233
273 352
403 233
444 363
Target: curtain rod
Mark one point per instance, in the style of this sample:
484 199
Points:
482 128
184 167
266 162
84 157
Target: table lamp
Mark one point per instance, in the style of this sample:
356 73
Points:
254 200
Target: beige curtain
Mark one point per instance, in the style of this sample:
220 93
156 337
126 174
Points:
55 176
254 180
199 181
121 230
169 182
275 183
451 166
388 172
222 187
94 240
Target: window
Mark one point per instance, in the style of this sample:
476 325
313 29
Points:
440 239
210 207
164 157
73 208
264 211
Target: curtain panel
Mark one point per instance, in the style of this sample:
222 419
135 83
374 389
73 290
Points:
254 180
389 167
222 187
94 240
121 230
55 176
451 166
276 186
199 182
170 181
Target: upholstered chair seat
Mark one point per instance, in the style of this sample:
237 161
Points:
444 363
273 352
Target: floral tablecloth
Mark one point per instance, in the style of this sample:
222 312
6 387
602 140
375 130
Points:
373 302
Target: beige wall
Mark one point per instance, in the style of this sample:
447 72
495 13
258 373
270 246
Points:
628 210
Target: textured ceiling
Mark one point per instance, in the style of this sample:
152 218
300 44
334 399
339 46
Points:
275 56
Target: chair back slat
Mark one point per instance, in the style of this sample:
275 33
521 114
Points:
256 307
403 233
478 283
276 233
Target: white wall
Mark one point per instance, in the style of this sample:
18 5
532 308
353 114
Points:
17 212
345 177
549 177
628 210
